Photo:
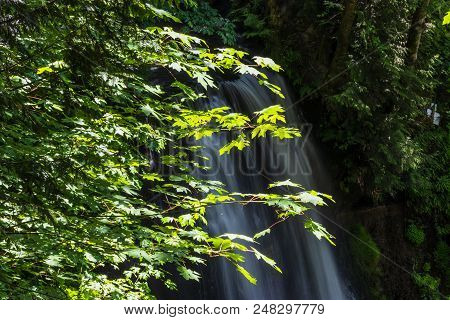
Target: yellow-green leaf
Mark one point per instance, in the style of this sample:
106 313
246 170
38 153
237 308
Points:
246 274
44 69
240 143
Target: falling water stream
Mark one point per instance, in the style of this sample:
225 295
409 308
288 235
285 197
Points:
309 267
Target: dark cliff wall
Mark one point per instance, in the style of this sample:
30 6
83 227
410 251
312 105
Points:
382 260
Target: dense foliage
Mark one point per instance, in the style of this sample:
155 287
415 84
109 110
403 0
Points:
204 20
92 205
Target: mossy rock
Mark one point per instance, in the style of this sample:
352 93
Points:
366 257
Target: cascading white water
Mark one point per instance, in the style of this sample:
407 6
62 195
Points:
309 267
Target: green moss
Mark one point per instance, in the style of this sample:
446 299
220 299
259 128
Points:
364 249
366 256
415 234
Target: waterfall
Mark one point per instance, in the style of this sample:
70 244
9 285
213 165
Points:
309 267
